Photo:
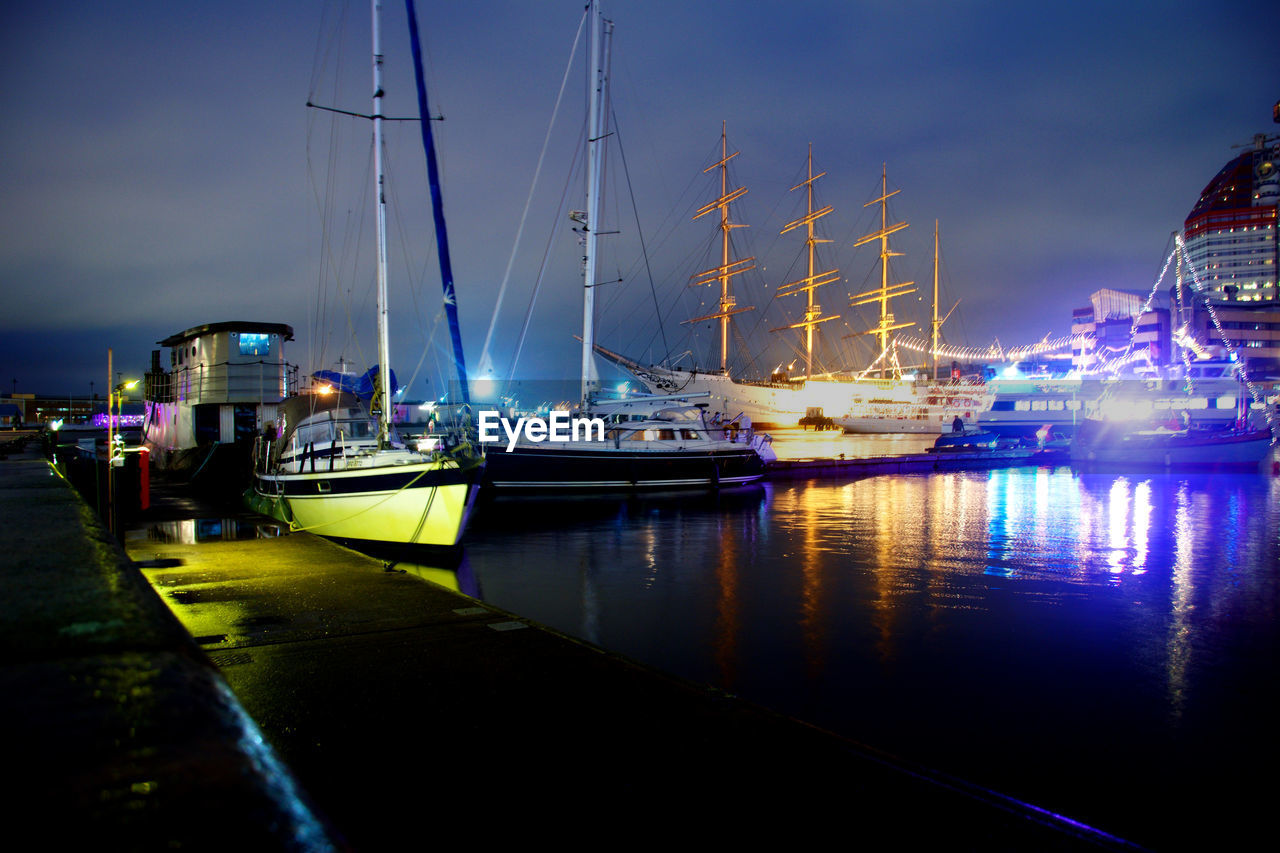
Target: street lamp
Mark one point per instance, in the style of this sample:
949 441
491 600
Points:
114 459
117 403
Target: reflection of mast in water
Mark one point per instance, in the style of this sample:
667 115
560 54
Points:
729 605
896 532
812 627
590 597
1178 648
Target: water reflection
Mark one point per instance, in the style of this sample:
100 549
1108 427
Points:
190 531
458 577
1013 625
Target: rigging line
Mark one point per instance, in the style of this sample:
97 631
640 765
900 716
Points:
680 291
324 50
354 337
639 231
426 348
324 203
528 202
546 255
411 277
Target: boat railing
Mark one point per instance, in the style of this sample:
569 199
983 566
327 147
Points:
259 381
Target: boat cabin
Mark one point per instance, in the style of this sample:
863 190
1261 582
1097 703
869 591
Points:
223 384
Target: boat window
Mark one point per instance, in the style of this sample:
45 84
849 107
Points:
1002 406
1226 402
666 434
1022 405
312 433
1055 405
1073 405
1038 405
689 434
356 429
252 343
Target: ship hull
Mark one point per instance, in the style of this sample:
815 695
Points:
922 426
780 405
1227 450
556 469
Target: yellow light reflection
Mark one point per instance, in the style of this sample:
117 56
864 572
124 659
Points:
729 608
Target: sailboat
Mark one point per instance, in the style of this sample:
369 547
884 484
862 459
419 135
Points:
1136 427
336 466
644 443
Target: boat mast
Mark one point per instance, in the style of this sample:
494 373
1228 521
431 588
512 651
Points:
437 207
597 91
384 347
886 292
813 312
727 268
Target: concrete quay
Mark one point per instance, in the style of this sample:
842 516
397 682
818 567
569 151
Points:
284 693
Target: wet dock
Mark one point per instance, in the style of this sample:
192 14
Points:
392 711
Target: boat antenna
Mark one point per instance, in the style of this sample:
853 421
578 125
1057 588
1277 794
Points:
437 208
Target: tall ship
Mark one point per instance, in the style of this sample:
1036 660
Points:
876 399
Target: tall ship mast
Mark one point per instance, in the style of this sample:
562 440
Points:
876 404
936 324
728 268
813 279
886 291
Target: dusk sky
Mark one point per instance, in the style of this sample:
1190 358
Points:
160 169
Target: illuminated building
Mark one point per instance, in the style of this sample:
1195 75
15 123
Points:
1113 325
1230 234
1232 254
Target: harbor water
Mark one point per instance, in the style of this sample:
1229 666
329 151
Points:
1100 645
